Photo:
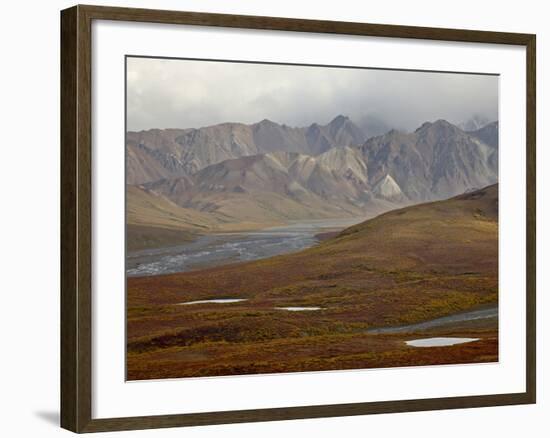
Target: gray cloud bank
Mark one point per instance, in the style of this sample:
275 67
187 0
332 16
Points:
189 94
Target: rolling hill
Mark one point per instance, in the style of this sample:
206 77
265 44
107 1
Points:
452 236
153 220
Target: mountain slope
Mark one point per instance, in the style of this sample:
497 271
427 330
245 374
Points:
437 161
489 135
147 208
387 188
453 235
280 186
157 154
152 220
152 155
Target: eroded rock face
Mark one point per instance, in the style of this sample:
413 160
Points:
437 161
157 154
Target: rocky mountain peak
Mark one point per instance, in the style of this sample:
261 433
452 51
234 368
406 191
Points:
339 120
266 122
438 124
440 128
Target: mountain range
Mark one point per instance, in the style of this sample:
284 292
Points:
266 173
279 186
436 161
157 154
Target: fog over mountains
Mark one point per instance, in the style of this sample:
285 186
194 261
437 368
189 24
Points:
267 172
166 93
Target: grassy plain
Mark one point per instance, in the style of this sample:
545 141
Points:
402 267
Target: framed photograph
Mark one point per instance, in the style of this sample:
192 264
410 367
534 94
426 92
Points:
270 218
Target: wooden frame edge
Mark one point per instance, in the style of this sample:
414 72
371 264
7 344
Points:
531 217
76 226
302 25
68 222
302 413
75 220
69 330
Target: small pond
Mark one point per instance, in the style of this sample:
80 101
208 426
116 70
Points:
214 301
439 342
298 309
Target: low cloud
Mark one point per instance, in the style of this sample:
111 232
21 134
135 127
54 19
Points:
183 94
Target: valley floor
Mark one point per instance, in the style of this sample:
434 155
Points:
217 248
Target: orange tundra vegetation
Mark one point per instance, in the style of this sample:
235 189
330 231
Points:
402 267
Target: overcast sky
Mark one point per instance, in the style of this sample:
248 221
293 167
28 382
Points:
190 94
